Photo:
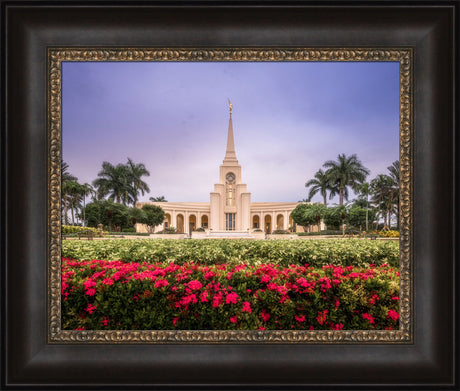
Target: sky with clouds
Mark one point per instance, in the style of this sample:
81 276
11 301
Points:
288 119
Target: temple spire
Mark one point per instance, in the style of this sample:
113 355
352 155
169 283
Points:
230 155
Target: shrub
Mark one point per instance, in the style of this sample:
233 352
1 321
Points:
115 295
72 229
280 232
317 253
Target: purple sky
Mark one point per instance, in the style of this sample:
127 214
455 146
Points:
288 119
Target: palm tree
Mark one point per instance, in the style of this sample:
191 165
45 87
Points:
365 191
346 172
115 181
65 175
136 172
158 199
321 184
394 170
383 196
72 196
86 189
65 178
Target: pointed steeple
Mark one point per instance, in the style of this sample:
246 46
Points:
230 155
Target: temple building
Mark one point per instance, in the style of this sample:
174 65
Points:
229 210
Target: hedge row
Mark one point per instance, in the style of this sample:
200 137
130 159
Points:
317 253
116 295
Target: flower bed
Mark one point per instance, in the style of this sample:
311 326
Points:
108 295
317 253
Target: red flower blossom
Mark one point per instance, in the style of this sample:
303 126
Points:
369 317
232 298
393 315
161 283
195 284
265 315
300 318
233 319
247 307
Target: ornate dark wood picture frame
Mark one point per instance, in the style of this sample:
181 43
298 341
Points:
38 37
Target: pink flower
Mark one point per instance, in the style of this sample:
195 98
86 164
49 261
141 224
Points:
321 318
246 307
393 315
265 315
107 281
90 308
300 318
91 292
338 326
265 278
195 284
216 300
233 319
161 283
369 317
204 296
395 298
232 298
105 321
209 275
175 320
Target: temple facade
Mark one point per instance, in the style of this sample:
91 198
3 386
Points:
230 208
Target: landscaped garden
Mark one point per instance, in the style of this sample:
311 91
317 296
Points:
339 284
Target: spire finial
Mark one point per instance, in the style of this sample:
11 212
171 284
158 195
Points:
230 156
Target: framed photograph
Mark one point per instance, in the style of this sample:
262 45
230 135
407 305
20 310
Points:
89 86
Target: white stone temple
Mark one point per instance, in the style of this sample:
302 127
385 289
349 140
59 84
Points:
229 209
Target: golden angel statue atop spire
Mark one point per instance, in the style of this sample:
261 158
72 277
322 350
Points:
231 105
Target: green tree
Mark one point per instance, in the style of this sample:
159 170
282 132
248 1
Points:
365 192
86 189
116 182
344 173
137 215
72 195
334 216
158 199
383 194
360 217
136 172
303 216
317 211
394 170
65 190
154 215
320 184
108 213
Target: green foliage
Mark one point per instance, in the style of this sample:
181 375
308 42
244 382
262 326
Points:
302 215
357 216
333 216
72 229
317 253
102 295
153 215
109 214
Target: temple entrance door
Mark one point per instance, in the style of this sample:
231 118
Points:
267 228
191 227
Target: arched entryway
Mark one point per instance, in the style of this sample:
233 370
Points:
255 222
268 224
192 223
180 223
204 221
280 221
